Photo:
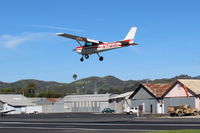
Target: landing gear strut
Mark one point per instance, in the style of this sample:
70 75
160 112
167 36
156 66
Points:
86 56
100 57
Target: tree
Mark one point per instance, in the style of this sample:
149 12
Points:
74 76
49 94
103 91
115 90
29 91
7 91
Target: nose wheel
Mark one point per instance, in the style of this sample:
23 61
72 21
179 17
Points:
81 59
86 56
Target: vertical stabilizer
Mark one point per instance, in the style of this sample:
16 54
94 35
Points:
131 34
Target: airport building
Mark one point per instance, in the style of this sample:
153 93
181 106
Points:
149 97
120 102
49 105
86 103
156 98
18 104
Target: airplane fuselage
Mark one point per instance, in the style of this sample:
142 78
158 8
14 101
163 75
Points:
86 50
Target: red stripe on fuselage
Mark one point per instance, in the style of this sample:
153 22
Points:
128 40
98 45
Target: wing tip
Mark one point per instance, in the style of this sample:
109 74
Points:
59 34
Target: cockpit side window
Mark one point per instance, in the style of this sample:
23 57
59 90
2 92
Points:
88 44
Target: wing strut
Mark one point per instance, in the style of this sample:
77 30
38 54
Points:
79 43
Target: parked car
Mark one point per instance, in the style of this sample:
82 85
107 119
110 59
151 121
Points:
131 110
108 110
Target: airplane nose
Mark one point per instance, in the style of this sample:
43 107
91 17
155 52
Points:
73 50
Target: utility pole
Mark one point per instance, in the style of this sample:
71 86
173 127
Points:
95 87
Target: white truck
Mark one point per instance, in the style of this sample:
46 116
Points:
131 110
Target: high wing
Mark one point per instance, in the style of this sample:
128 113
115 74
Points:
78 38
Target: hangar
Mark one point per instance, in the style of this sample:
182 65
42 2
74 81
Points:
19 104
86 103
120 102
49 105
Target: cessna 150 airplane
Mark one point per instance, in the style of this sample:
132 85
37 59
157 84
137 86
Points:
93 46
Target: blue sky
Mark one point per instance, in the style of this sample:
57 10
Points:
168 34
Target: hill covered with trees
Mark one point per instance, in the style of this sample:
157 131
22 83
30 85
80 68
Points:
90 85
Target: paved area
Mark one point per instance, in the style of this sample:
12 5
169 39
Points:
91 123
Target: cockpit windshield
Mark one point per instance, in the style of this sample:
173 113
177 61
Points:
88 44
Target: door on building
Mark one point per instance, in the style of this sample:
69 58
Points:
151 108
140 110
159 108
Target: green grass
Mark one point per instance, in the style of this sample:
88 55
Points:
179 131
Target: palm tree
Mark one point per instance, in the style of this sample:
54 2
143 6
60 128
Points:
74 76
31 88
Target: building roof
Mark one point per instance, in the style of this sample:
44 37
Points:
46 101
91 97
123 95
16 100
192 84
157 89
112 96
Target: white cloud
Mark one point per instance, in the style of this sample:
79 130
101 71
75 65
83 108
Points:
58 28
12 41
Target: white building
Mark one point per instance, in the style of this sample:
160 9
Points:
120 102
19 104
149 97
49 105
86 103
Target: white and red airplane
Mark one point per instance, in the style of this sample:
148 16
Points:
95 47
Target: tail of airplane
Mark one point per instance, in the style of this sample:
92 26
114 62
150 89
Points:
131 34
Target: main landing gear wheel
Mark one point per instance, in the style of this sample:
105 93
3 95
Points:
81 59
86 56
101 58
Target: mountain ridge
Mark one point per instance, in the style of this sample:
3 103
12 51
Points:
106 84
